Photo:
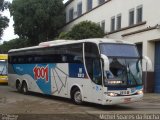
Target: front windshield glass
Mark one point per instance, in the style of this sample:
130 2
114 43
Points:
125 65
126 71
119 50
3 68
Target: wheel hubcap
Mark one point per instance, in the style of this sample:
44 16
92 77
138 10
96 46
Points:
78 97
24 89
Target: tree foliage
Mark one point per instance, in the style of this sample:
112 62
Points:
83 30
37 20
64 35
3 5
14 44
3 20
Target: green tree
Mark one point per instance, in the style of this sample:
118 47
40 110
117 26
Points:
3 20
37 20
14 44
83 30
64 35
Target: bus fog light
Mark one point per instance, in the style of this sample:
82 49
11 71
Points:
112 94
140 92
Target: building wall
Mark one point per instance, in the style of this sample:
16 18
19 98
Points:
146 32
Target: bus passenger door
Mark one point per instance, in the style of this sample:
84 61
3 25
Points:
97 89
93 67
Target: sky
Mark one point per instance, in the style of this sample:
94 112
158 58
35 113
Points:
8 33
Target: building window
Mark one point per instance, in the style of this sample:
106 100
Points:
139 48
112 24
71 14
100 2
79 9
139 14
89 5
103 25
66 15
119 19
131 17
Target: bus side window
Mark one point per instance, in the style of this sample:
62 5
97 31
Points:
93 63
14 60
30 59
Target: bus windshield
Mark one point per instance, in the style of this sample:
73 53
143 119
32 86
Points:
125 65
119 50
3 67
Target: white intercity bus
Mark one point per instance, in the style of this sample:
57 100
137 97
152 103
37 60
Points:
101 71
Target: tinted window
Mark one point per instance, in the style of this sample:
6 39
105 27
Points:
119 50
101 2
93 64
56 54
131 17
103 25
89 5
71 14
118 22
112 24
139 14
79 9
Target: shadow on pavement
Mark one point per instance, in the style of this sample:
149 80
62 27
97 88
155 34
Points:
85 104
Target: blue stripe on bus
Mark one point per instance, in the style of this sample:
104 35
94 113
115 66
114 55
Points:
77 70
139 87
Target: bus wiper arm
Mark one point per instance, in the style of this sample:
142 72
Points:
132 75
2 71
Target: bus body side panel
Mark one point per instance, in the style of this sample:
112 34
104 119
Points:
59 80
36 76
78 77
66 75
53 79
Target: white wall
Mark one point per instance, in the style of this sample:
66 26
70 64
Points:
151 14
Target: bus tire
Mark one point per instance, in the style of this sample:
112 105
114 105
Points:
77 96
24 88
18 86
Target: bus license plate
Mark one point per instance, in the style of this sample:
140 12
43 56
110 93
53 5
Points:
124 92
127 100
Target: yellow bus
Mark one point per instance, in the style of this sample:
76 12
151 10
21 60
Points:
3 68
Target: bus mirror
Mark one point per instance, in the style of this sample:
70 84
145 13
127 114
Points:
148 64
106 62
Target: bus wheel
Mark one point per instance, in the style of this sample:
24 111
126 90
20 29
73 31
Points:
24 88
77 97
18 86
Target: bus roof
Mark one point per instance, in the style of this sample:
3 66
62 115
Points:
66 42
3 56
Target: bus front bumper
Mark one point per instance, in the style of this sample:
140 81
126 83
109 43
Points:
121 99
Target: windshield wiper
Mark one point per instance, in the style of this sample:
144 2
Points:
132 75
2 71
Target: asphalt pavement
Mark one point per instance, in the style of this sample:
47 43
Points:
14 105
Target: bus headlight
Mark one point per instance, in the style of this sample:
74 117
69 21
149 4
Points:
114 82
112 94
140 92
